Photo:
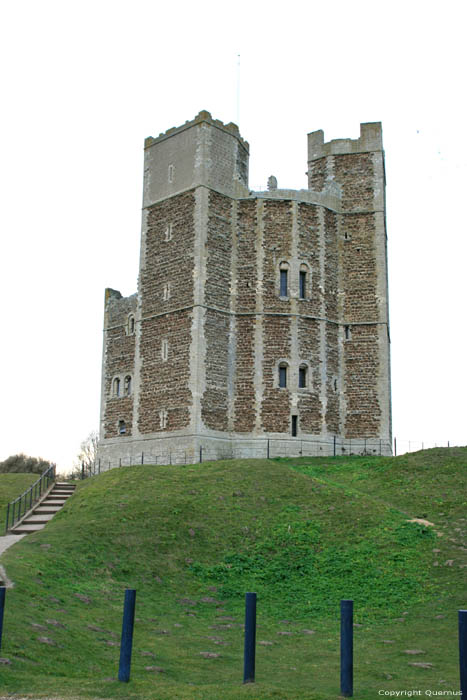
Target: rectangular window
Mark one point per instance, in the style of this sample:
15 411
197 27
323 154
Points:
283 377
302 378
302 284
283 284
294 426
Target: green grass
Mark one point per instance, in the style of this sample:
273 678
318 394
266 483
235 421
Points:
192 540
12 486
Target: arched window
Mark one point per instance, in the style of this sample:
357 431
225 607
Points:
131 325
302 284
282 375
121 427
116 386
284 280
127 385
302 377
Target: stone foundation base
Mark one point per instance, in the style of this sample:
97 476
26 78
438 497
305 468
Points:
197 448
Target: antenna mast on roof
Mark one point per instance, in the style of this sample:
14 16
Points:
238 90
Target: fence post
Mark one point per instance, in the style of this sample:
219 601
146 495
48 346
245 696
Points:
200 454
463 651
347 648
268 449
250 638
7 516
334 446
99 466
395 447
127 635
2 608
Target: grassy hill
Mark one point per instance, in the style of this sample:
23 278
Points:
12 486
192 540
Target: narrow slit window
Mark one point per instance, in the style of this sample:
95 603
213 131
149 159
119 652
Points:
116 387
168 232
347 332
165 350
284 283
171 172
302 377
121 427
294 426
166 291
282 376
302 284
163 417
128 385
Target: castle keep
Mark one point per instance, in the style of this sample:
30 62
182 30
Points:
261 317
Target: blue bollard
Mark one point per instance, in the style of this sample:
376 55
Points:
2 608
347 648
250 638
127 635
463 651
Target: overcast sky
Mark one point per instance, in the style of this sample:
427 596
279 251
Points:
83 83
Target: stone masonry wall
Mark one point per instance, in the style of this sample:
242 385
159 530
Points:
309 402
119 362
167 295
169 261
247 275
277 245
355 173
309 251
361 369
244 403
333 382
217 293
276 404
164 383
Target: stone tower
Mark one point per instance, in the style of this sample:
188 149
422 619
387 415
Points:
261 318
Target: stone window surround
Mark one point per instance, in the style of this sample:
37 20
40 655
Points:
304 267
292 379
130 327
284 265
165 350
294 269
168 235
306 367
121 380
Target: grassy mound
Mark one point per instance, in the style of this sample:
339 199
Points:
192 540
12 486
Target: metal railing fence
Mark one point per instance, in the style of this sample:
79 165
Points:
16 509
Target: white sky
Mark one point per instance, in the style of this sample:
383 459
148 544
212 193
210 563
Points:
83 83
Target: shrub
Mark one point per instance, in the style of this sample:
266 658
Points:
20 464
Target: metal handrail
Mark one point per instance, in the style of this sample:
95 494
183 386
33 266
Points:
19 507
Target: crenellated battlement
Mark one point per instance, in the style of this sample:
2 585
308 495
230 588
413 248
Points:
370 140
203 116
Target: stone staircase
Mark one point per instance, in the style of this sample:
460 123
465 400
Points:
44 510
